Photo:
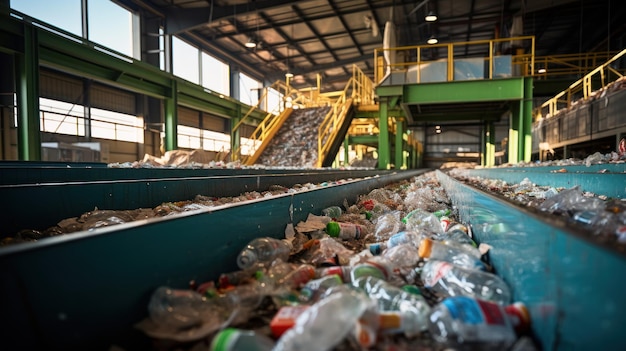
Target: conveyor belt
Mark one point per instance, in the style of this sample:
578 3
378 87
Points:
42 197
573 287
86 290
606 179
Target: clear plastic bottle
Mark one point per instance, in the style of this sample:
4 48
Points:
420 220
342 271
402 256
458 254
263 251
405 237
332 212
458 236
415 310
176 309
387 225
231 339
327 322
466 323
345 230
313 289
451 280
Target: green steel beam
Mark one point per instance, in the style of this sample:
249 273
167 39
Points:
363 140
464 91
489 158
514 132
374 114
384 155
171 119
399 148
235 136
457 116
527 119
346 150
392 90
27 72
77 58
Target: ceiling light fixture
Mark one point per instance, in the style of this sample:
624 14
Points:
430 17
250 44
432 40
541 71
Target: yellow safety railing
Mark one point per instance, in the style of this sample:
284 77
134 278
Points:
359 88
569 65
407 57
582 88
291 97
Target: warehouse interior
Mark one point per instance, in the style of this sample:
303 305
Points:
146 144
326 48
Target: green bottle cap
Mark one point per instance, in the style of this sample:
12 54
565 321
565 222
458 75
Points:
412 289
224 339
333 229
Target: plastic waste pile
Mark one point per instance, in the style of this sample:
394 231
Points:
295 144
394 271
598 215
103 218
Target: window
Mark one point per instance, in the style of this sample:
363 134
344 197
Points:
273 101
185 60
248 90
116 126
215 74
64 14
110 25
61 117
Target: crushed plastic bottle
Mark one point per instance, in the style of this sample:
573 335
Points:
465 323
451 280
263 251
456 253
332 212
387 225
457 236
327 322
420 220
415 310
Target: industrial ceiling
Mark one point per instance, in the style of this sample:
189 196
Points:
329 36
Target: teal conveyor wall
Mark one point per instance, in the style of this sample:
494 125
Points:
573 285
603 179
40 197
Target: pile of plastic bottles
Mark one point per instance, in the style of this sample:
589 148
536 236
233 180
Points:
598 215
394 271
104 218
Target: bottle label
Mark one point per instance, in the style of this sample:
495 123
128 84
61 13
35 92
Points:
480 320
349 231
397 239
440 269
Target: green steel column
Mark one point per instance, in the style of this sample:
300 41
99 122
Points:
514 131
27 72
384 154
346 150
527 120
171 118
399 143
490 145
235 136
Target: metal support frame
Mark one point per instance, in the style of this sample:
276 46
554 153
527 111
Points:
235 135
383 136
527 119
488 157
171 119
398 162
27 71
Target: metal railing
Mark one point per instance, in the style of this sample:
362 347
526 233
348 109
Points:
522 60
582 88
570 65
359 89
291 97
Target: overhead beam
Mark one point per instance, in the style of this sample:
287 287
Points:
184 19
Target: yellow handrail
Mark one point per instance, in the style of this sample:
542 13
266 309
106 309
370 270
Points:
414 56
291 97
570 64
359 88
584 84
